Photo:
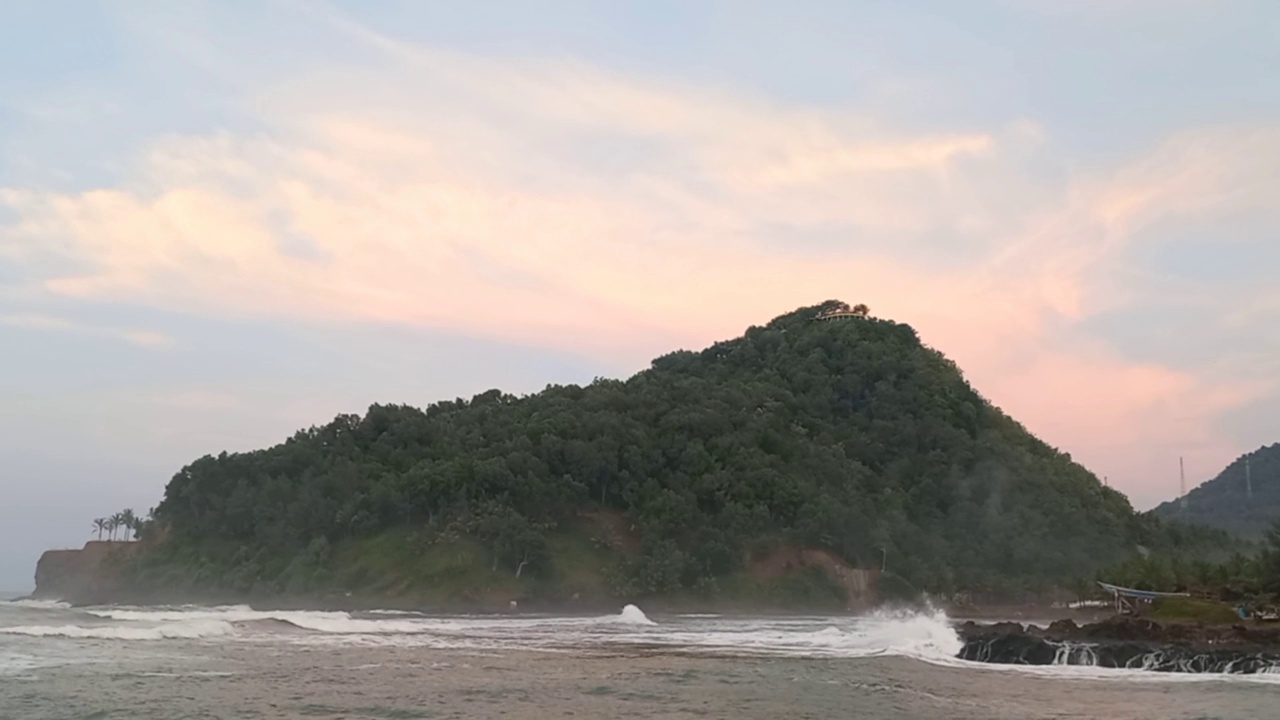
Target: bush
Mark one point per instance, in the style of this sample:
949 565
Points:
1205 612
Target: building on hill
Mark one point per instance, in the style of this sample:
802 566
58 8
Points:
844 310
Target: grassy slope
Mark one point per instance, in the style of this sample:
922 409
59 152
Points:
1192 610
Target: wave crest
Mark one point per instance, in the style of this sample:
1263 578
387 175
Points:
191 630
632 615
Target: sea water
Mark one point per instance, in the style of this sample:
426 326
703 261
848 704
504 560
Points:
236 661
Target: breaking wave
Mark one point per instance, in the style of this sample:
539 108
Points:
923 635
33 604
632 615
189 630
928 636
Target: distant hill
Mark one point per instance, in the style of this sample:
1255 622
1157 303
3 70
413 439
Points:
1224 502
826 439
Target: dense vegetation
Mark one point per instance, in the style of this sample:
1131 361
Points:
1251 577
846 435
125 522
1244 498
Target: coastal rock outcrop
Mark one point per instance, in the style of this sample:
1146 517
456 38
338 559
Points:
1123 642
82 576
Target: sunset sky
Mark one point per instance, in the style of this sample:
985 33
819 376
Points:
223 221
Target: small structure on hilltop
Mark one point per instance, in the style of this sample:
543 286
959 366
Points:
1131 602
844 310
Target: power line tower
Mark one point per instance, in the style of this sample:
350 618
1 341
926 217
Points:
1182 475
1248 479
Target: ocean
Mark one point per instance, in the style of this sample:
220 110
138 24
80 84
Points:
236 662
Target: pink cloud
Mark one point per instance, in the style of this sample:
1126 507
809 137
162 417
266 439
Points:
481 214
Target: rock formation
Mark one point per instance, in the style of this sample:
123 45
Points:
84 576
1123 642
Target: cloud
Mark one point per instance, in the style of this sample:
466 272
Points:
562 205
53 323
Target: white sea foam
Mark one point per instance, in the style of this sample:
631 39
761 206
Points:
928 636
228 613
38 604
188 630
632 615
921 635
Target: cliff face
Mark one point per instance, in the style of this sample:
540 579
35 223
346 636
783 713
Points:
82 576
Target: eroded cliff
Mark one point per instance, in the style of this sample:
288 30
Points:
90 574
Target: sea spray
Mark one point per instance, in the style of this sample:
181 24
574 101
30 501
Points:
632 615
926 634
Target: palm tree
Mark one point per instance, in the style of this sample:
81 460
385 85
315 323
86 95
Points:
100 526
129 522
113 524
144 524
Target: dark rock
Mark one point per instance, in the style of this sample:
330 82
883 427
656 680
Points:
1124 642
1062 628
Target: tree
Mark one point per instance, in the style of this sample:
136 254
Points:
112 524
861 309
129 522
1269 561
852 438
100 526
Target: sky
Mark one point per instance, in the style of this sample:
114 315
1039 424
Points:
224 221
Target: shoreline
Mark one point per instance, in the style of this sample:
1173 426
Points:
995 613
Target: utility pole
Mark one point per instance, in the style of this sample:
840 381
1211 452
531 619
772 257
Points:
1248 479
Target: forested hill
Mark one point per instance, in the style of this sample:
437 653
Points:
845 435
1227 501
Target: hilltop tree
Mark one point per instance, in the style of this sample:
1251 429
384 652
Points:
128 521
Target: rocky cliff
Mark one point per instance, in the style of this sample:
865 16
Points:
83 576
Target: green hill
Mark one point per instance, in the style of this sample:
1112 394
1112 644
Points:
1227 502
701 475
